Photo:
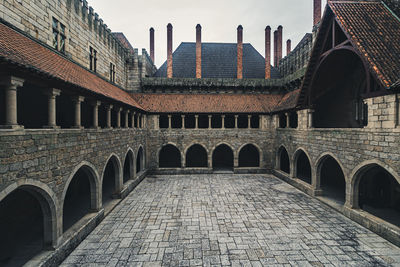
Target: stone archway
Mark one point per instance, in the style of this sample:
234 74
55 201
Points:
249 156
222 157
196 157
169 157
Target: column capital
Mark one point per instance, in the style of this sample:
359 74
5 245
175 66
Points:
109 106
236 116
223 116
183 116
118 109
12 81
95 103
78 98
196 116
52 92
128 111
209 116
249 116
169 116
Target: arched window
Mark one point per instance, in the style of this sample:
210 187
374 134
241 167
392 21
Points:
196 157
303 167
333 182
128 166
110 178
170 157
284 163
222 157
249 156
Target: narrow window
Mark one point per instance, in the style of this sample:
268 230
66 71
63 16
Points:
112 73
58 35
93 59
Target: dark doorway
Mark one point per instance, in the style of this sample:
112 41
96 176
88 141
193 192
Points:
293 120
22 228
128 167
282 121
303 167
379 194
333 182
139 161
223 157
249 156
109 180
170 157
77 201
196 157
284 163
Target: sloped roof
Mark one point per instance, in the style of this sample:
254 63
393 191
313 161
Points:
124 41
208 103
219 60
22 51
288 101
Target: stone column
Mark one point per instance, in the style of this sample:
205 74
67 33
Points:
183 121
248 121
77 102
133 119
287 120
119 117
12 85
169 121
127 119
52 93
260 126
108 108
223 121
236 121
196 117
310 122
209 121
96 105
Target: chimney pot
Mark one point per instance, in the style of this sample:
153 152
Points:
275 48
152 44
169 51
198 51
240 52
268 52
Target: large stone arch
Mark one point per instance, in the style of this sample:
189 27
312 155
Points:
259 150
357 174
211 155
294 167
140 163
132 166
115 161
177 150
49 204
278 163
193 144
318 165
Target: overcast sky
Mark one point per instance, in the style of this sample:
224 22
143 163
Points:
218 18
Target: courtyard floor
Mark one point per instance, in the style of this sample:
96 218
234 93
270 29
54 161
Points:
222 219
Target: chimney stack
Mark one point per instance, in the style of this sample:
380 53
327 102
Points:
288 47
198 51
280 43
275 48
240 52
152 44
169 50
268 52
317 11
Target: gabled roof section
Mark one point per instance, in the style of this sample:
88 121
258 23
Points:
124 41
22 51
219 60
373 30
288 101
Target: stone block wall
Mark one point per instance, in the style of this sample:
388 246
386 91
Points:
383 112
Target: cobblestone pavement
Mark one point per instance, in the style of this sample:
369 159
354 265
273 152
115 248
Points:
237 220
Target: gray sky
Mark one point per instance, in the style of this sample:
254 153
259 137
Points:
218 18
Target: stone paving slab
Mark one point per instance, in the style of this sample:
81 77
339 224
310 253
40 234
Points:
228 220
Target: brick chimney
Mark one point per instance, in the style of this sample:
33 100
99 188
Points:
280 43
275 48
152 44
169 50
288 47
317 11
268 52
240 52
198 51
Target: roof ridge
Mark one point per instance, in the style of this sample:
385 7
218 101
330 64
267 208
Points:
390 10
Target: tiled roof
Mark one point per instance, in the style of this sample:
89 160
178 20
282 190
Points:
375 32
219 60
208 103
288 101
20 50
124 41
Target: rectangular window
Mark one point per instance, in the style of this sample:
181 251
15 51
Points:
93 59
112 73
58 35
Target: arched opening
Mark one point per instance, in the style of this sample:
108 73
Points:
78 200
379 194
222 157
25 226
110 177
303 167
284 163
196 157
249 156
139 160
170 157
128 166
336 91
333 182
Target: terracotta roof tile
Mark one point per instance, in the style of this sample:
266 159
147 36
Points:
21 50
375 31
288 101
208 103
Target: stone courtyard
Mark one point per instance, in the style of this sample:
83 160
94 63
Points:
228 219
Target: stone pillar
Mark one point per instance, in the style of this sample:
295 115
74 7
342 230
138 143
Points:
260 126
51 107
12 85
77 102
133 119
183 121
223 121
96 105
196 117
287 120
236 121
119 117
108 109
169 121
139 121
310 122
248 121
209 121
127 119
